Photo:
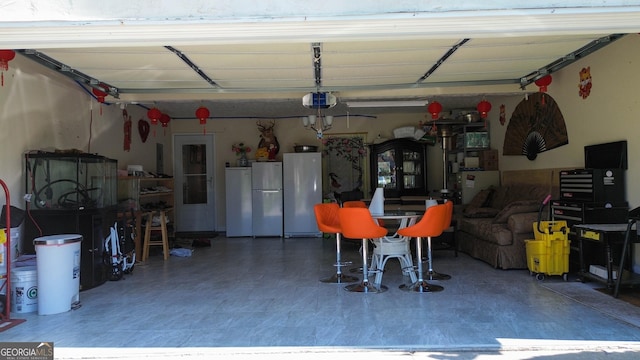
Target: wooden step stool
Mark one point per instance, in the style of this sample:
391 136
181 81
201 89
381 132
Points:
164 238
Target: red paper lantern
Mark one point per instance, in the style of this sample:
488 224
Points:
202 113
100 95
5 57
483 108
434 109
154 115
543 82
164 120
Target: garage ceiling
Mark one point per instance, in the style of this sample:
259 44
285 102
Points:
264 68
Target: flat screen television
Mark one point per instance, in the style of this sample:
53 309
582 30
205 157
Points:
612 155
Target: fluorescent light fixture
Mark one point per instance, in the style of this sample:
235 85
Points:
372 104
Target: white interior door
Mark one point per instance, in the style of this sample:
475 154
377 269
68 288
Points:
193 158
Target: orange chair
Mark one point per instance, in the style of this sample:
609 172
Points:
446 223
431 225
328 222
357 223
359 204
354 203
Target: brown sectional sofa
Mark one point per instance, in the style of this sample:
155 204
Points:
494 225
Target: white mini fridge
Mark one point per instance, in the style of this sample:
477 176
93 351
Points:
302 190
266 193
238 206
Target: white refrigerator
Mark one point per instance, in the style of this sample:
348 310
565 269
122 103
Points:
302 190
238 206
266 194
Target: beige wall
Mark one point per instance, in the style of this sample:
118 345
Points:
289 132
608 114
43 110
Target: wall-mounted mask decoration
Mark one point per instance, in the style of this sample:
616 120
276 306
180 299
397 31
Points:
268 139
585 82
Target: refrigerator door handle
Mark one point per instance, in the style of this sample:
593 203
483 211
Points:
269 191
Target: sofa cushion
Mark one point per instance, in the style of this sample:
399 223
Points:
481 212
523 223
504 195
515 207
486 230
481 199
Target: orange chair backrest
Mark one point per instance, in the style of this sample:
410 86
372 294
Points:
430 225
354 203
359 204
447 219
327 217
357 223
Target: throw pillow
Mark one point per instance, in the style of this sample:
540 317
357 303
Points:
516 207
482 199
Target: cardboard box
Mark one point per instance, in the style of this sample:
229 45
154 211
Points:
489 155
489 165
471 162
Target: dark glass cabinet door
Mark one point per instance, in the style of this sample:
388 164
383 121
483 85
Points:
399 167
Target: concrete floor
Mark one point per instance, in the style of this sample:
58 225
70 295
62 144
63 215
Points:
250 298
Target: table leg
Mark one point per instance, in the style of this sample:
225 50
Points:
625 246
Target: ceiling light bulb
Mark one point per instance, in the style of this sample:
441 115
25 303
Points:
328 120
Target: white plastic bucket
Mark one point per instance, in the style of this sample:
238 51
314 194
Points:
58 263
24 289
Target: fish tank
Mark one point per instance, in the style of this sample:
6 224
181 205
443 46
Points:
70 180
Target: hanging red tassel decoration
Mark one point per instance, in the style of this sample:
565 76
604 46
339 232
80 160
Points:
5 57
543 83
202 113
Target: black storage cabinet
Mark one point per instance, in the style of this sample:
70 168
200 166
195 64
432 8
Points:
72 193
399 166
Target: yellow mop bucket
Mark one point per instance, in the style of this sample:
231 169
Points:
548 254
